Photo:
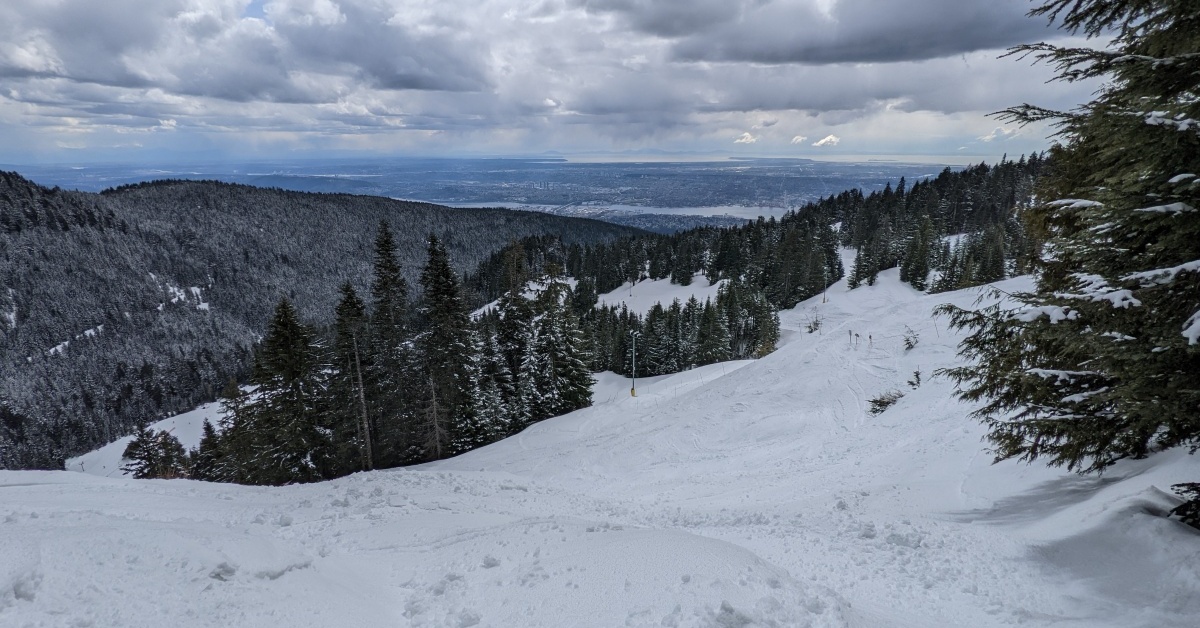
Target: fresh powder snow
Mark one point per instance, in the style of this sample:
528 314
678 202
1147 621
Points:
754 493
641 297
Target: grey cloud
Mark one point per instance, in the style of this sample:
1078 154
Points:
202 48
385 49
861 31
80 39
615 71
670 19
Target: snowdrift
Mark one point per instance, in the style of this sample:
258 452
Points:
742 494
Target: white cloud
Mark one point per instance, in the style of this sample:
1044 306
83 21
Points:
828 140
999 133
501 76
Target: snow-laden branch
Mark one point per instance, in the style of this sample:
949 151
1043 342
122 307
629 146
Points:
1163 118
1061 376
1083 396
1095 288
1170 208
1053 312
1191 329
1075 203
1163 276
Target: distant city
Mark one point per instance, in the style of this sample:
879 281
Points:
659 196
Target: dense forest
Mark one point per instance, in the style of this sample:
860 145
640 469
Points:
145 300
959 229
140 302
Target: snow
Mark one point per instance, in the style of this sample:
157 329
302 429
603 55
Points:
1180 178
640 297
1170 208
11 315
759 493
1163 276
1053 312
1076 203
1191 329
1180 122
954 240
643 295
187 427
61 347
532 290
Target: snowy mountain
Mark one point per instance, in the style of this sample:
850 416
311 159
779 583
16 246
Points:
758 493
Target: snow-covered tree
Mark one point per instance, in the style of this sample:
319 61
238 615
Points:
1102 360
155 455
284 427
450 353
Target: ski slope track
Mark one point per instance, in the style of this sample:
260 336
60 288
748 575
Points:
757 493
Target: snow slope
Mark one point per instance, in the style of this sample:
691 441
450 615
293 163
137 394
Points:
747 494
641 296
187 427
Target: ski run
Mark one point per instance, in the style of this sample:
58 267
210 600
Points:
754 493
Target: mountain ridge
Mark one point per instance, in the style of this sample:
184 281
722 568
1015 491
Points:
175 281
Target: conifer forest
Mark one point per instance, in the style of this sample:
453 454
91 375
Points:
705 314
349 346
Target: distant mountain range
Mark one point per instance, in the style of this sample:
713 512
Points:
628 192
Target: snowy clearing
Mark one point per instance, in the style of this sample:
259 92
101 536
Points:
756 493
643 295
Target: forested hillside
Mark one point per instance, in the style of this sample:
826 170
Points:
953 231
142 301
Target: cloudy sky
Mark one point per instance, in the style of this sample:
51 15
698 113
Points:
234 79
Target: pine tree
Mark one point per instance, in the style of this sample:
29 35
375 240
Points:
564 380
207 458
498 391
155 455
284 425
1102 361
450 354
389 290
389 406
347 404
714 341
233 437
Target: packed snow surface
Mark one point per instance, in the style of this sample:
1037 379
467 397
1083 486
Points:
642 296
743 494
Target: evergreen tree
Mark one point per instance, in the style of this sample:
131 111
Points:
498 390
390 431
155 455
713 337
284 424
450 355
232 462
563 378
207 458
389 290
1102 361
347 404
